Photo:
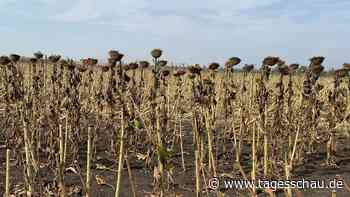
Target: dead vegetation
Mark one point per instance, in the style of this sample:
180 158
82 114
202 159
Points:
60 117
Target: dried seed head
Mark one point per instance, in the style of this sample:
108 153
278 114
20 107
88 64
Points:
248 67
70 66
195 69
346 66
270 61
104 68
112 62
162 63
317 60
280 62
179 72
126 67
133 65
293 67
213 66
38 55
82 68
115 55
307 87
165 73
67 63
63 62
86 62
4 60
120 57
93 61
229 64
14 57
144 64
33 60
156 53
283 69
54 58
319 87
316 68
342 72
126 77
233 61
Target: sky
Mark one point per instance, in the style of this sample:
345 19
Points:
188 31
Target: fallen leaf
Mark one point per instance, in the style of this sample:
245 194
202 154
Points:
72 170
100 180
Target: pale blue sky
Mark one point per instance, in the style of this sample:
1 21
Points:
188 31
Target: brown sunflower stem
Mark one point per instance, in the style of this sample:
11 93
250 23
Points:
7 179
131 178
88 165
121 155
61 165
27 156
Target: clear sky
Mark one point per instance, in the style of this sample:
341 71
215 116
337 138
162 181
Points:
188 31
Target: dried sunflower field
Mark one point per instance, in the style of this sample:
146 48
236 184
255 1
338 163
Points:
86 128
